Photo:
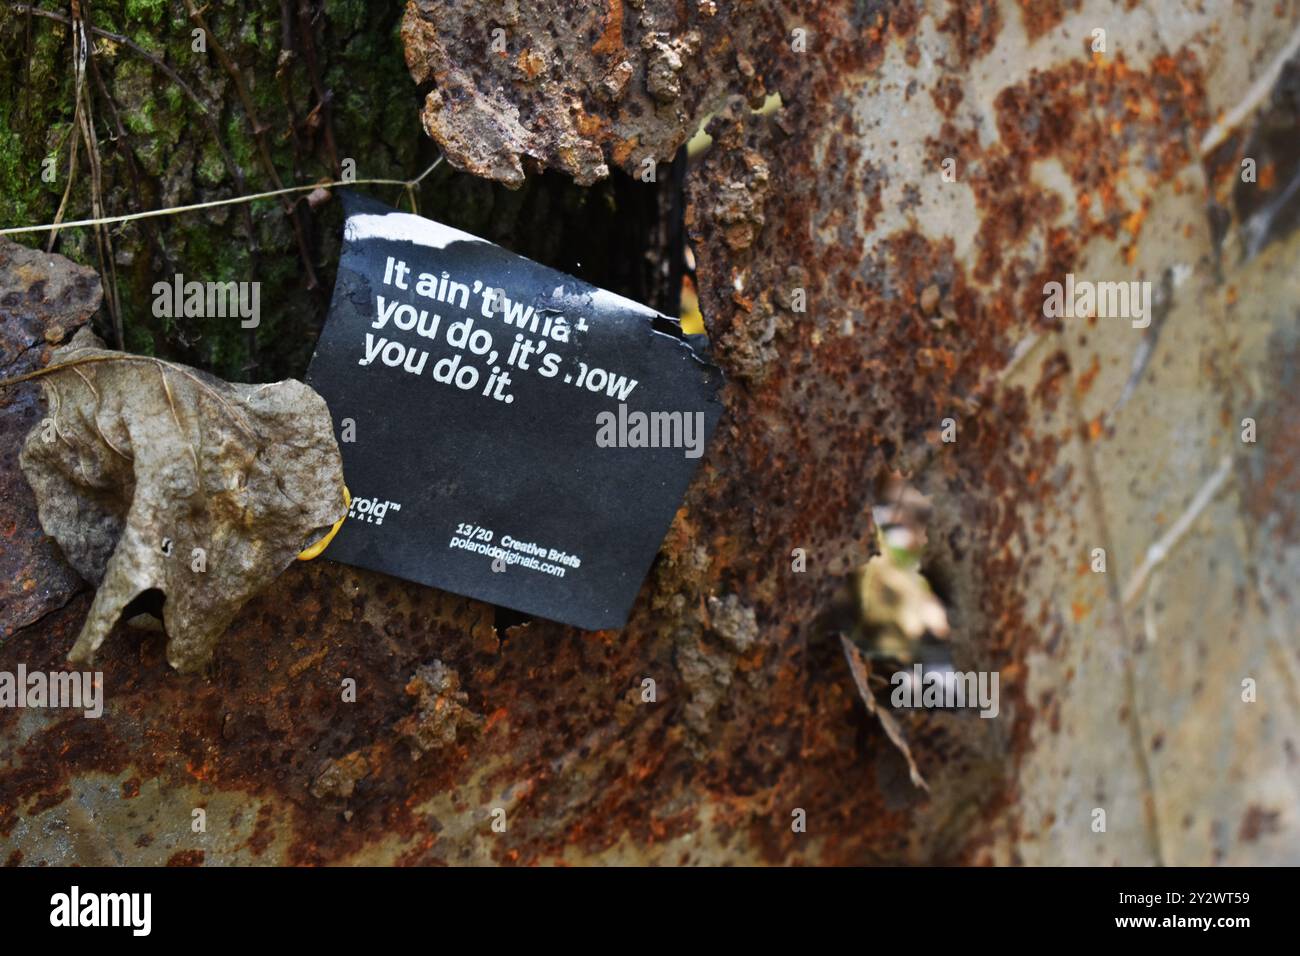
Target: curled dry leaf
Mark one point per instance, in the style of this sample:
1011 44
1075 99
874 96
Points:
153 476
860 668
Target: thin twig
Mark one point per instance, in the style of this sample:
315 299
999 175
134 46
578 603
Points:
173 210
27 70
128 154
1161 549
72 175
324 97
259 135
1255 95
83 51
205 114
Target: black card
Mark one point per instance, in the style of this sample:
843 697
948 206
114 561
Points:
509 432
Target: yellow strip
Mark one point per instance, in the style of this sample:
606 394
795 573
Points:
314 551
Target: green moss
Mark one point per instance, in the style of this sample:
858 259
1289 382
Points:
147 11
346 16
32 121
136 92
375 120
14 174
211 168
240 145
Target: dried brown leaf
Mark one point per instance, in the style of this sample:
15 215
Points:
860 668
154 475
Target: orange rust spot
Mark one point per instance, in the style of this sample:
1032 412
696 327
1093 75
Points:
530 64
623 149
1094 428
1079 610
611 41
589 125
1109 198
311 660
1087 379
1133 222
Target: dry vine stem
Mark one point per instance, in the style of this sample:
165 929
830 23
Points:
409 184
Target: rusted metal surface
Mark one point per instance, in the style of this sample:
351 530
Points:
577 86
1120 691
44 299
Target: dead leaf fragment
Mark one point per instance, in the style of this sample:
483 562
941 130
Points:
860 668
158 477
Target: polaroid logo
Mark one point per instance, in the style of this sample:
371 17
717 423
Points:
946 689
72 689
1106 300
103 909
651 430
208 300
371 509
